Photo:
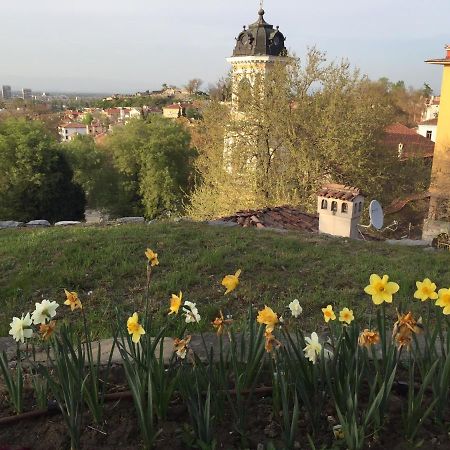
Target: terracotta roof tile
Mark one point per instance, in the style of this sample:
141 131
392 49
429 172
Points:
339 191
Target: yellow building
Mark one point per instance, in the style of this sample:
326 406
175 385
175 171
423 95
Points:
438 220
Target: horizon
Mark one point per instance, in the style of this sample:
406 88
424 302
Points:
109 47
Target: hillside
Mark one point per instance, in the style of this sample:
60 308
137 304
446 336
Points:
107 267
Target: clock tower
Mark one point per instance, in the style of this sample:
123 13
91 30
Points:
258 47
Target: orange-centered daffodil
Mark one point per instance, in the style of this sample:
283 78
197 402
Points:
328 313
368 338
346 315
381 289
72 300
175 303
426 290
231 281
152 257
444 300
135 328
267 317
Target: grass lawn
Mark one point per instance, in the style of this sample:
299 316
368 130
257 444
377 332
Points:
276 268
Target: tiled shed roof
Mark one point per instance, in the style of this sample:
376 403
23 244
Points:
339 192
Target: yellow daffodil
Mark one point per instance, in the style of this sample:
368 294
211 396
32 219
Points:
444 300
46 330
426 290
328 313
267 317
220 323
271 341
175 303
152 257
180 346
72 300
231 281
135 328
346 315
381 289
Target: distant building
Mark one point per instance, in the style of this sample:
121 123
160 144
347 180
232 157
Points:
406 142
174 110
432 108
6 92
438 220
428 129
69 130
26 94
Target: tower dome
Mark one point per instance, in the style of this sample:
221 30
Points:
260 38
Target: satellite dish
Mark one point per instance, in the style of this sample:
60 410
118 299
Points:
376 214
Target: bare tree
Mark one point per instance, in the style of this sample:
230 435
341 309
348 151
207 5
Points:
193 85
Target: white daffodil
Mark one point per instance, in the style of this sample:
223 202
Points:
313 347
20 328
295 308
191 312
44 311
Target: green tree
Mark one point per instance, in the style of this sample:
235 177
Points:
94 170
35 177
300 126
155 157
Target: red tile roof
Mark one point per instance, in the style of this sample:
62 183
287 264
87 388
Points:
429 122
414 145
339 191
73 125
285 217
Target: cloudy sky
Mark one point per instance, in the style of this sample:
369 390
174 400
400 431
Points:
125 46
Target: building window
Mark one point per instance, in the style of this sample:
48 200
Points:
324 204
429 134
344 208
333 206
359 206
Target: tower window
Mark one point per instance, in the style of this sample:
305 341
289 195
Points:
429 134
344 208
333 206
324 204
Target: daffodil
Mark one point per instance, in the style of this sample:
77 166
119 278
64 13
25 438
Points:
231 281
346 315
426 290
367 338
267 317
135 328
181 346
444 300
271 341
295 308
175 303
404 329
313 347
46 330
44 311
328 313
72 300
152 257
20 328
381 289
220 323
191 312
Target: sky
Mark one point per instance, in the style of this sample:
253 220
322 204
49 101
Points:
135 45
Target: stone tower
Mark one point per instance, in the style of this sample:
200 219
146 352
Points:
438 220
258 47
